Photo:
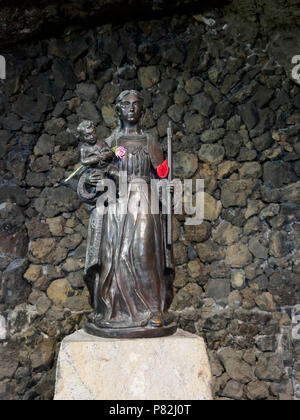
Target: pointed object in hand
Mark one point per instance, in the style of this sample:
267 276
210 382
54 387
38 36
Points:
76 172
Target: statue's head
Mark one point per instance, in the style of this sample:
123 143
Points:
129 107
87 132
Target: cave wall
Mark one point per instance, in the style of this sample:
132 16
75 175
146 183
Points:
225 83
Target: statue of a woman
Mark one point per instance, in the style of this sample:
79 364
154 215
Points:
129 267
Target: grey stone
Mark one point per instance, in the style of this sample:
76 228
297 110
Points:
64 139
34 179
149 76
270 211
14 194
175 112
217 123
230 81
246 154
211 136
16 289
160 104
226 233
253 225
181 97
235 216
28 109
257 249
209 251
215 73
236 368
217 269
162 125
297 168
87 91
266 123
218 289
266 343
249 114
211 153
257 390
12 122
224 110
235 193
195 123
275 174
241 93
234 123
198 233
233 390
44 146
181 280
262 142
66 158
55 126
89 111
290 193
180 253
265 302
189 295
238 256
203 104
232 143
254 207
251 170
167 85
185 164
269 368
262 96
41 164
108 94
192 254
193 86
54 201
234 299
213 92
63 74
278 244
173 54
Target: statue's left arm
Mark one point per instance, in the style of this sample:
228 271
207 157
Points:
155 151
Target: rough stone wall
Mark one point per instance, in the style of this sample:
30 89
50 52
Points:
236 117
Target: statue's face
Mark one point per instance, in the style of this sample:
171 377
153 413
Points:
89 134
130 109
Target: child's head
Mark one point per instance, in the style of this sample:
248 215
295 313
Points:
87 132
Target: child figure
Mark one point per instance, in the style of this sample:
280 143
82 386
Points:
95 153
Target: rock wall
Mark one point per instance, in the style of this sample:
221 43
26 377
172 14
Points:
236 117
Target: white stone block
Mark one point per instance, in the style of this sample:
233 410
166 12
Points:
167 368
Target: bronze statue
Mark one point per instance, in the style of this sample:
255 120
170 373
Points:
129 264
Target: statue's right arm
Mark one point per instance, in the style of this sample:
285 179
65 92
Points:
88 158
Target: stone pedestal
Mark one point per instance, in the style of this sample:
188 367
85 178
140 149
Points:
167 368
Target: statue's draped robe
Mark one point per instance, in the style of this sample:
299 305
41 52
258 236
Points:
129 268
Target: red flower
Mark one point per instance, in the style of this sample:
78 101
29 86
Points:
163 170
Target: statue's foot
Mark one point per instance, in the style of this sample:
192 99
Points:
94 318
91 317
156 320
